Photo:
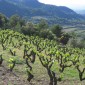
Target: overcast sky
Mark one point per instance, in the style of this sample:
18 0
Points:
73 4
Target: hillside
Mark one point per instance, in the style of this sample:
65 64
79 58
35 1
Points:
34 10
18 63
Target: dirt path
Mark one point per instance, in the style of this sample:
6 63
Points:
10 78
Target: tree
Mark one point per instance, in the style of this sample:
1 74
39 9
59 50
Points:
3 20
16 20
64 38
46 34
43 24
57 30
29 29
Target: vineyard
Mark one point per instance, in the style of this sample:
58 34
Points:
32 60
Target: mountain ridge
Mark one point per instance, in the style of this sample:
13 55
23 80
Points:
33 8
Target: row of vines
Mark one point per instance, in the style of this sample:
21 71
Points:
49 52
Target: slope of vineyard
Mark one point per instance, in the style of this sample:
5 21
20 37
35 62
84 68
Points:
32 60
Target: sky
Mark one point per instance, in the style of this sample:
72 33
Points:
73 4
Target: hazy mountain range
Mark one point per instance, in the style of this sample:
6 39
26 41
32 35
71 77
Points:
82 12
33 9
